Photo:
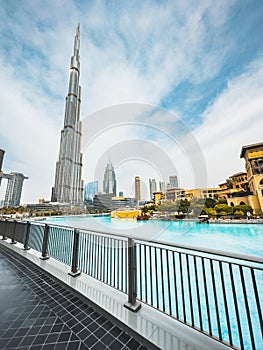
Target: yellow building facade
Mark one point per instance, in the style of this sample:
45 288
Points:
125 213
158 197
253 155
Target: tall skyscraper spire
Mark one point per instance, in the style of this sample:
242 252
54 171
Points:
68 186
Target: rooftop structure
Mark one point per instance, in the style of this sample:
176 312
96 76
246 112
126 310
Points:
253 147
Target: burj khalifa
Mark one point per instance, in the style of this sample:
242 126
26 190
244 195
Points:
68 186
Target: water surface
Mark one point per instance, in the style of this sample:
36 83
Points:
238 238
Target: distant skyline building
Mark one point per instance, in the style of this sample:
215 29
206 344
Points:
2 153
90 190
14 185
14 189
162 186
152 187
137 189
173 182
102 201
109 180
68 186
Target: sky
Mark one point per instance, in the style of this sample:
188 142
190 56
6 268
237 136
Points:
168 88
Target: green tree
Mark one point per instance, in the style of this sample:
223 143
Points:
168 206
183 206
210 211
244 208
223 209
210 203
148 208
222 201
239 213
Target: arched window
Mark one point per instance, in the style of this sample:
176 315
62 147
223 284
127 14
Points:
242 203
232 204
261 182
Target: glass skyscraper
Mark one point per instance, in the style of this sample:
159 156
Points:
162 186
90 190
14 189
173 181
14 185
109 180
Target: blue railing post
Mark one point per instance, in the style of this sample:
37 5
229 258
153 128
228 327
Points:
13 241
44 255
74 266
26 246
132 303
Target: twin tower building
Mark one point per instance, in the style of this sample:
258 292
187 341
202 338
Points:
68 187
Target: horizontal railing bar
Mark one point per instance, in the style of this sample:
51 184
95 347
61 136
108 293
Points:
84 230
245 257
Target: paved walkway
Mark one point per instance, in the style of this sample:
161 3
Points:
38 312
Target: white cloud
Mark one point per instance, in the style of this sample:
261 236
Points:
29 134
234 119
144 52
136 52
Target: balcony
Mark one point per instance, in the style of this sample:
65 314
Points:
135 293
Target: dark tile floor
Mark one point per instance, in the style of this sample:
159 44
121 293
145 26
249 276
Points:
38 312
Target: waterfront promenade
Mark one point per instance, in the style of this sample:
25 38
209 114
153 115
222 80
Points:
55 311
40 312
149 327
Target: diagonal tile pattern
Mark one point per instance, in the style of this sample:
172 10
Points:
37 312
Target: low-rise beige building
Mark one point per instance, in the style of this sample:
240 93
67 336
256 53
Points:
243 188
235 190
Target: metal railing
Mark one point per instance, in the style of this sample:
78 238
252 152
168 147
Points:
103 257
214 292
218 295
